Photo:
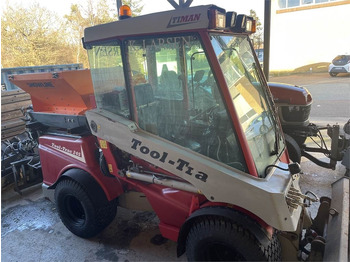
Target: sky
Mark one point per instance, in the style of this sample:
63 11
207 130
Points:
62 7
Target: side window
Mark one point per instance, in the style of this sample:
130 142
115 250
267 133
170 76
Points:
108 78
177 97
204 93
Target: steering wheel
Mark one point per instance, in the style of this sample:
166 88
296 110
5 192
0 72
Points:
209 112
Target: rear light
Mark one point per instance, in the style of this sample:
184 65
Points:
308 98
240 23
244 24
253 26
249 25
217 19
231 19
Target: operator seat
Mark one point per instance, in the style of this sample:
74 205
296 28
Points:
146 107
170 83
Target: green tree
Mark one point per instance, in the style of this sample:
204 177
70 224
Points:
258 36
82 16
37 36
135 5
32 36
89 14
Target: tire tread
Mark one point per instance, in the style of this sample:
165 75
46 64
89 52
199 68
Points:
227 228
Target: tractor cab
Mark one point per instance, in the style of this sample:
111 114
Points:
182 94
191 77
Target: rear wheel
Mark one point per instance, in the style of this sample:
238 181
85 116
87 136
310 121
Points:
333 74
219 239
78 211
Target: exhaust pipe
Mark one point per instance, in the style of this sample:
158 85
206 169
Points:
164 181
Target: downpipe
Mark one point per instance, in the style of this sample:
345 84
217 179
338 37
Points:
163 181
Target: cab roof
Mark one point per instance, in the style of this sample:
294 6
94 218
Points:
183 19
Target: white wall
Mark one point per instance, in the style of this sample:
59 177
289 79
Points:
305 37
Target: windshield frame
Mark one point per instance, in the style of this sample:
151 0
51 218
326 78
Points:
279 145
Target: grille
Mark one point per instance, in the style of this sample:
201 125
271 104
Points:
296 113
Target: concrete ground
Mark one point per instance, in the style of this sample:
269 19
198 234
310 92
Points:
32 231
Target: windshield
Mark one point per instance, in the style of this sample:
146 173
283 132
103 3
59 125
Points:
250 98
178 99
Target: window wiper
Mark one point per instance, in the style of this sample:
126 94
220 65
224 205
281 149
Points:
275 151
274 121
246 72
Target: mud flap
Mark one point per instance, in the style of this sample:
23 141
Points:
337 242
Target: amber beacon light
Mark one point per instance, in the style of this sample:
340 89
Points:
124 12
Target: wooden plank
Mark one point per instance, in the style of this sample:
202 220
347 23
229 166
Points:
11 134
13 129
11 115
15 98
11 93
12 123
15 106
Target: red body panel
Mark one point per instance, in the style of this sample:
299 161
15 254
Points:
289 94
58 154
172 206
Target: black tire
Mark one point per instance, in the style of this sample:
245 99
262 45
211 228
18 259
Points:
299 139
220 239
333 74
293 148
78 211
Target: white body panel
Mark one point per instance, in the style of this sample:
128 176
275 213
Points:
170 21
218 182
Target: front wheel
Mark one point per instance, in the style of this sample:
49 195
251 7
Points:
219 239
79 213
293 148
333 74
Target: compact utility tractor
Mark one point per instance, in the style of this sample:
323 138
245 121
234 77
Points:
293 104
180 121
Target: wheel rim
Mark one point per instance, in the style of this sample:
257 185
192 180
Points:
75 210
220 252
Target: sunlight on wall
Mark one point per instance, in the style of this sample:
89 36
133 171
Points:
302 37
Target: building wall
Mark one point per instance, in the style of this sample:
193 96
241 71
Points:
308 34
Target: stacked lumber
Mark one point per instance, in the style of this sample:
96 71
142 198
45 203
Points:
11 115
